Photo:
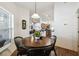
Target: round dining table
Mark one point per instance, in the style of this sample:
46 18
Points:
30 42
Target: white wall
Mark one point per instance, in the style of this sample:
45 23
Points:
64 13
49 16
19 14
66 25
11 8
22 13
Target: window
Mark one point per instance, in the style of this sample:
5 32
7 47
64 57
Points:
6 27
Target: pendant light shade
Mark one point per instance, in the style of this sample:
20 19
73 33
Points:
35 15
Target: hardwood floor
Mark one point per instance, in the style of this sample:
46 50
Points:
65 52
60 52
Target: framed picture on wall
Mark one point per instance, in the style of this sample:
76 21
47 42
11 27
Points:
23 24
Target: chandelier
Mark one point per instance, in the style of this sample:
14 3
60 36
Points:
35 15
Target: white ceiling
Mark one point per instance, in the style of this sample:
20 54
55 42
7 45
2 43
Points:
41 6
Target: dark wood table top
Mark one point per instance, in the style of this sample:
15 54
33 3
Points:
28 41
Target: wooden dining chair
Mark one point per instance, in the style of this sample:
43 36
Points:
21 50
54 38
38 51
48 50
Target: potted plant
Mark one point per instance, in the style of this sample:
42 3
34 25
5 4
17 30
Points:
37 35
